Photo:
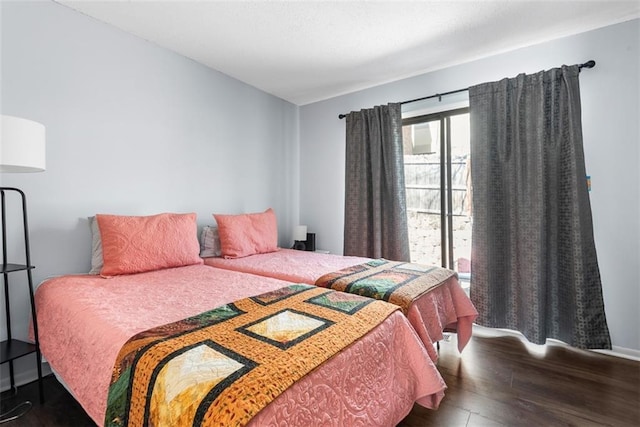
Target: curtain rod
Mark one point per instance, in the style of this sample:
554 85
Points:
589 64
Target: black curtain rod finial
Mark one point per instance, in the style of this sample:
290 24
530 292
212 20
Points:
589 64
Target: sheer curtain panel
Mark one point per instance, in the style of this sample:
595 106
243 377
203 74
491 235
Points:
534 266
375 219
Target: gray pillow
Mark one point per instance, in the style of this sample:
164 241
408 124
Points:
96 246
209 242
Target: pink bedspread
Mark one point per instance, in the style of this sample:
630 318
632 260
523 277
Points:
84 320
445 307
288 264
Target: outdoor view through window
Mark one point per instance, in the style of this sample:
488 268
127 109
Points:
438 183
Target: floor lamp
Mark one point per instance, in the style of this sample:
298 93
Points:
22 149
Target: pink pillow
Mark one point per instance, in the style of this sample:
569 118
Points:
247 234
133 244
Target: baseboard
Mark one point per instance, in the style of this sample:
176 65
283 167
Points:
617 351
22 377
627 353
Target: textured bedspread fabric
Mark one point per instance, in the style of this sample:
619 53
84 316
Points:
400 283
445 307
85 320
411 287
223 366
288 264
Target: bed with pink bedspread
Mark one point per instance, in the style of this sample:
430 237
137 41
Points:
445 307
84 321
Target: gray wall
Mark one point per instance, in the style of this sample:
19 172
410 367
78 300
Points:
610 98
132 129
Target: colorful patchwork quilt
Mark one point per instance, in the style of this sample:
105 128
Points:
223 366
399 283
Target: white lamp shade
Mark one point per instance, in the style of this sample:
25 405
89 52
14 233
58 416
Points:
300 232
22 145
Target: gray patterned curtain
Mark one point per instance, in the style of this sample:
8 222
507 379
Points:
375 218
534 265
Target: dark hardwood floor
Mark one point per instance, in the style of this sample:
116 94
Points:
500 381
496 381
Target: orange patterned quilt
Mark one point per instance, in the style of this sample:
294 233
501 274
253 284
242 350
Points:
223 366
399 283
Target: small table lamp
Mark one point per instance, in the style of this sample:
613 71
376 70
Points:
22 149
300 237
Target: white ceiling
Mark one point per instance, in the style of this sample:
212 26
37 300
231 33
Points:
306 51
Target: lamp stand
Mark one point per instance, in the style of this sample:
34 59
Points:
11 348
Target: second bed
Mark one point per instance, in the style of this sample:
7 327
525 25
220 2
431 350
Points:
445 306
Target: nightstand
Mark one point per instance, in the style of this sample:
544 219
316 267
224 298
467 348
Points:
12 349
322 251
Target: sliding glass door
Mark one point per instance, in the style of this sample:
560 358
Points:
438 184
